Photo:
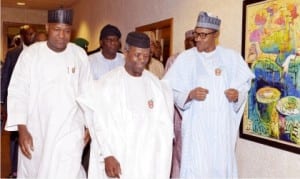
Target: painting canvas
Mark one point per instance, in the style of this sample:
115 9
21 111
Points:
271 47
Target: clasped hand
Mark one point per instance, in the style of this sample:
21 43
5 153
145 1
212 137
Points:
112 167
232 95
200 94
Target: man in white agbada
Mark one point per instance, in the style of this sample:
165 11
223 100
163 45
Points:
131 112
109 57
47 79
210 85
104 61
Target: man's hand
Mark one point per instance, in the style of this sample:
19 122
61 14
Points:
232 95
87 136
25 141
198 93
112 167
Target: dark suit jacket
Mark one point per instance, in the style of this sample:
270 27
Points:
7 69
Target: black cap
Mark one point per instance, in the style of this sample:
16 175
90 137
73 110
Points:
109 30
138 39
64 16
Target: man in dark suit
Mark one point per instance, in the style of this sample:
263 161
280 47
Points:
27 34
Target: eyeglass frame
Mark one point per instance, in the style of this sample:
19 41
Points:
202 35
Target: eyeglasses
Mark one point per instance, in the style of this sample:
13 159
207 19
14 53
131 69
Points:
202 35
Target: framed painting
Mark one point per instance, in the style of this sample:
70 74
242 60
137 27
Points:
271 47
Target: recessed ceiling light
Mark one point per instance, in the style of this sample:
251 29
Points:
21 3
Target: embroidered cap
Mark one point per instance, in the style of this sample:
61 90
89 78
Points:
189 34
138 39
64 16
209 21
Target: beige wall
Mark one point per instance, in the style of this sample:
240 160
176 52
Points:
23 15
128 14
254 160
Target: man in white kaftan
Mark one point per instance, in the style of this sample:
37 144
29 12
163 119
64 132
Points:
131 112
104 61
210 85
108 58
47 79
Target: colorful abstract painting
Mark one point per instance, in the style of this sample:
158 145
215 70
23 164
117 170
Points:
271 47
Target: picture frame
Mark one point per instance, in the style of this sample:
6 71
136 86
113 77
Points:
271 48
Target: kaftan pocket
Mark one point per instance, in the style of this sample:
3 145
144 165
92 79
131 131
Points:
73 78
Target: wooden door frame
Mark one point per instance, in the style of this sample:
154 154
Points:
167 23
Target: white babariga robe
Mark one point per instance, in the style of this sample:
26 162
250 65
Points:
100 65
42 95
209 127
123 124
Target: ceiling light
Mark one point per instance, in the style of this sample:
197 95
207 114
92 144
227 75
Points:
21 3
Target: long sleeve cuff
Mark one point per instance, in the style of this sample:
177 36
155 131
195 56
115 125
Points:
242 98
180 99
14 120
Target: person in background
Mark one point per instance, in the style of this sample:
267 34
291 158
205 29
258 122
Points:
41 36
134 140
81 42
176 158
210 85
27 34
108 58
156 48
102 62
154 65
189 42
41 106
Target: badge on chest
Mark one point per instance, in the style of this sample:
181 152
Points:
218 71
150 104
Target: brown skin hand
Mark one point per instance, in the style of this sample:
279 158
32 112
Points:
25 141
112 167
232 95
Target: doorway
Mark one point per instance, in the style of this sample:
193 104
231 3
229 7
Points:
10 30
162 32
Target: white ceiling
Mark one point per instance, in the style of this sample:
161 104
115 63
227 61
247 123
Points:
38 4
